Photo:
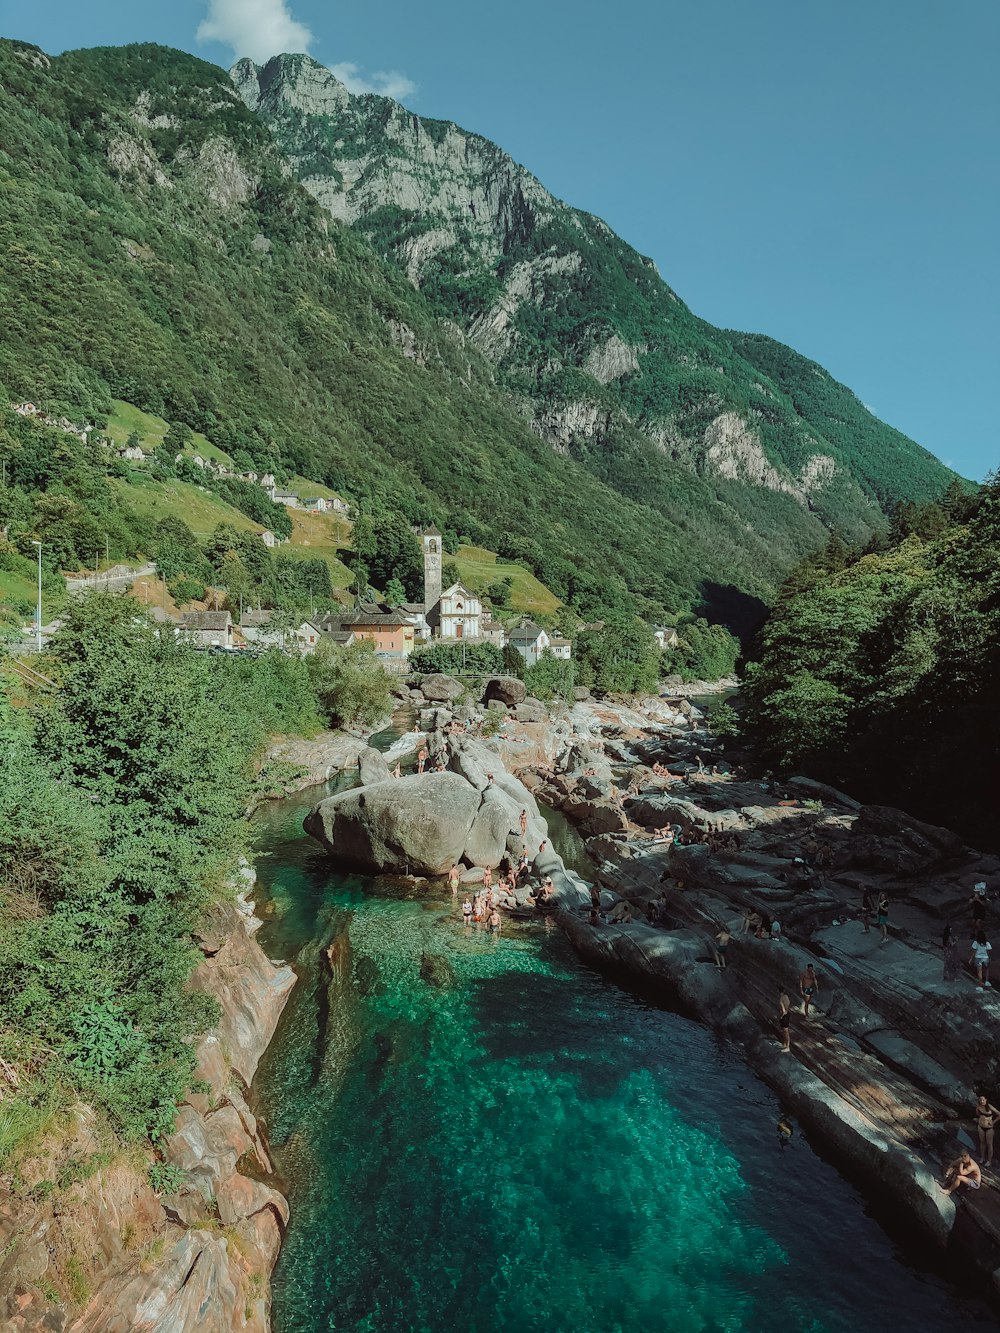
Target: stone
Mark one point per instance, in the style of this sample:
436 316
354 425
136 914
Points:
441 689
436 971
580 693
372 767
507 690
531 710
886 839
595 817
416 825
496 819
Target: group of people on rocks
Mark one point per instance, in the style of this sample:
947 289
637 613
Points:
484 904
980 948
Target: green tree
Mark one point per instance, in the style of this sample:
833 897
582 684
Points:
619 657
350 686
395 593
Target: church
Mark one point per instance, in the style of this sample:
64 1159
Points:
454 613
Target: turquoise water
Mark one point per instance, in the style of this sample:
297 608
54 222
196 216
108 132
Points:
531 1148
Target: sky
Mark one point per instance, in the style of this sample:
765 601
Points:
823 171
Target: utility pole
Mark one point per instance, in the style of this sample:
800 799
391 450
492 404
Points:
107 560
38 607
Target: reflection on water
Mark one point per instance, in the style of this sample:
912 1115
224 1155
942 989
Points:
526 1147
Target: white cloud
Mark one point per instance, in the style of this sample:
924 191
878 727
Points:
261 29
387 82
255 28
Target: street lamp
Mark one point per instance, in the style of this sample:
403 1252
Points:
38 606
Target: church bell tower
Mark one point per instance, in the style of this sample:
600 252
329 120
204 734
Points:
432 569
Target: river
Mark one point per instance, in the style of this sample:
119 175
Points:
533 1147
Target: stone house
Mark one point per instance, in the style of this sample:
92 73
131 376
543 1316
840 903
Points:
267 481
530 641
390 632
134 453
208 629
561 648
317 504
279 497
666 638
268 538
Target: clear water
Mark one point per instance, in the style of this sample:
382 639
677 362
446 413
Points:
532 1148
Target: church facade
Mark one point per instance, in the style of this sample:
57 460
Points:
454 613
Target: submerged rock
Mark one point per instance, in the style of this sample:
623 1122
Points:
437 971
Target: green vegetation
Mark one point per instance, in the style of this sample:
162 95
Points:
704 652
121 820
480 659
550 677
620 657
877 669
351 687
481 571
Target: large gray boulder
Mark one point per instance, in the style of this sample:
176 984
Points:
507 690
441 689
372 768
531 710
495 820
416 825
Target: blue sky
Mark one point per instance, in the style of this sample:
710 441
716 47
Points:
825 172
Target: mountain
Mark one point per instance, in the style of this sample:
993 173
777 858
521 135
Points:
614 367
156 247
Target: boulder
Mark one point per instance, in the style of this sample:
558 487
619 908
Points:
372 768
595 817
580 693
417 825
886 839
441 689
436 971
531 710
496 819
507 689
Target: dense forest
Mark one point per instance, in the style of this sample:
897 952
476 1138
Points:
879 669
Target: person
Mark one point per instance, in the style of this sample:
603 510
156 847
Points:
882 916
986 1118
785 1018
494 922
721 945
541 849
621 913
454 875
949 946
808 988
548 888
397 772
785 1132
467 911
523 820
421 759
980 957
962 1171
751 920
487 877
867 909
775 930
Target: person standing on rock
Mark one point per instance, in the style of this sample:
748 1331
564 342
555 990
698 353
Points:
785 1018
867 909
883 916
986 1118
980 958
977 905
523 821
454 875
721 945
808 988
421 759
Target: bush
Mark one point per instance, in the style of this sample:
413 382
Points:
484 659
350 687
723 720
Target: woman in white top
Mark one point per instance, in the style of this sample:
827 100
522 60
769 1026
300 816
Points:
981 950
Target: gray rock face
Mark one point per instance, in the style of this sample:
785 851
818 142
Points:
495 821
441 689
507 690
532 710
372 768
416 825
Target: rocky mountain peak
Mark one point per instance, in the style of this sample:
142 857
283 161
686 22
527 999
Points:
293 80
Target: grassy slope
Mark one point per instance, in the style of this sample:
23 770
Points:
125 418
479 567
200 509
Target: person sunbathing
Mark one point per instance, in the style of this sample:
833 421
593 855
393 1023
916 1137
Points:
962 1171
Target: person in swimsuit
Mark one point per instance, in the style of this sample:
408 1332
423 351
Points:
808 987
454 874
986 1118
962 1171
487 877
397 772
883 916
523 821
467 912
980 957
721 945
785 1018
421 759
494 922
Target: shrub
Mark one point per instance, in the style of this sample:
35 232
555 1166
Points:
351 688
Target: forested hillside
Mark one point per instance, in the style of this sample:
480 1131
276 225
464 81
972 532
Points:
155 249
611 364
879 671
